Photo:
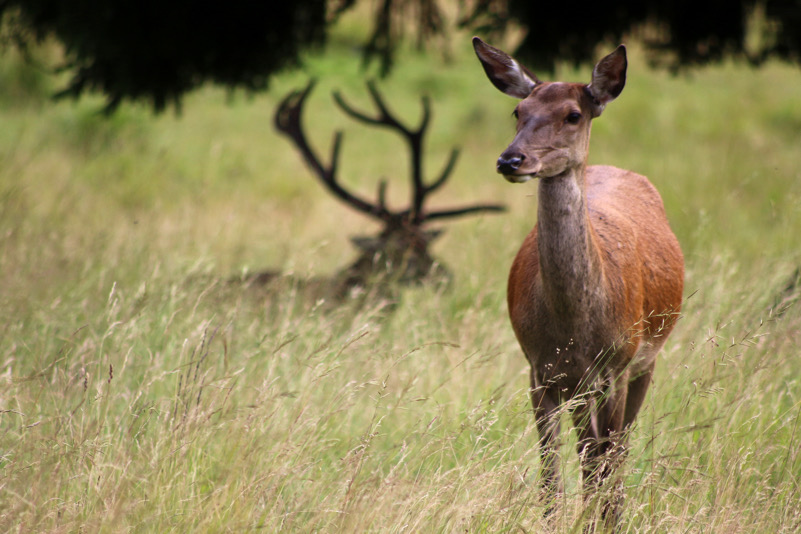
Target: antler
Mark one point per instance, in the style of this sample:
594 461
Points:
414 138
288 121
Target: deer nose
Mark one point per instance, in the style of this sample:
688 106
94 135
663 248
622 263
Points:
509 163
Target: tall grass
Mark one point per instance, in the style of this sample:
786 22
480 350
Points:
140 392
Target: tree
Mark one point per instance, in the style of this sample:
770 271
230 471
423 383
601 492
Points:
157 51
678 33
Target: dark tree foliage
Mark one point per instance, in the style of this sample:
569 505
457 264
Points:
678 32
389 22
157 50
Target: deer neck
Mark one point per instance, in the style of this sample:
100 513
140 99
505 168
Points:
570 264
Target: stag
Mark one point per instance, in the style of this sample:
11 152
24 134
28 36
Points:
400 251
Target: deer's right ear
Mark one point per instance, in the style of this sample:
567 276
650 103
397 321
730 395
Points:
370 244
504 72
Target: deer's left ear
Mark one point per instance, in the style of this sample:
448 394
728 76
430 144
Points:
608 78
431 235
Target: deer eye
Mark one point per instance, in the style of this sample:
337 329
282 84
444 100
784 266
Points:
515 114
573 117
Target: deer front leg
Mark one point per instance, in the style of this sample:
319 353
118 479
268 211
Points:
600 420
545 400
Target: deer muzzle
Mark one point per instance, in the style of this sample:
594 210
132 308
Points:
510 163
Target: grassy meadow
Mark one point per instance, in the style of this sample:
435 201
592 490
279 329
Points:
140 392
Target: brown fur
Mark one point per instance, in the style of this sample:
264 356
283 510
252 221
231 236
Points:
638 289
597 285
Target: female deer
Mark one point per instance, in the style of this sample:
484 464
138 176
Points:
597 285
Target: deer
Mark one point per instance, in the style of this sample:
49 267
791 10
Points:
596 287
400 252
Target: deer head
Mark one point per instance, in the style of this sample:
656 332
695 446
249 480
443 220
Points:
553 118
400 250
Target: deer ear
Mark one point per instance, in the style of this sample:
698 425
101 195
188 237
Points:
505 72
367 244
608 78
431 235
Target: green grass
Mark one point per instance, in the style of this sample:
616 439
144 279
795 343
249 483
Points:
139 393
